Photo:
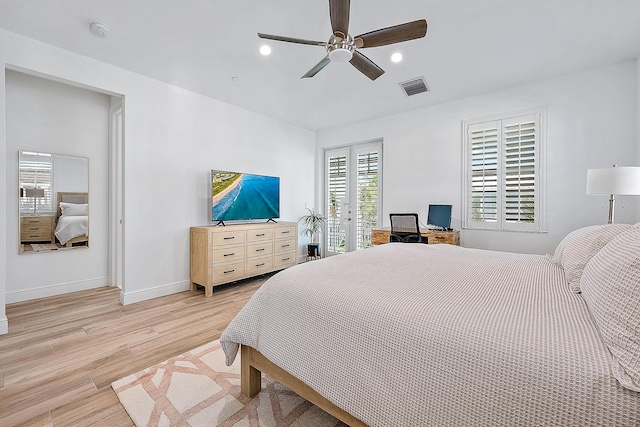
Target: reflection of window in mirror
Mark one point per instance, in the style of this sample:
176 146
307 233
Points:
36 170
54 202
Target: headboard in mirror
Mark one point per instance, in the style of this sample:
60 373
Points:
54 202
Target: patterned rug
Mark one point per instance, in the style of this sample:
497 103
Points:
198 389
44 247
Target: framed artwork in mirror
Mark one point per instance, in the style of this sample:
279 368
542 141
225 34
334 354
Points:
53 202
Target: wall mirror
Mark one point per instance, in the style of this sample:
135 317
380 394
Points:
53 202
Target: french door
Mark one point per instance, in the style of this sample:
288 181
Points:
353 196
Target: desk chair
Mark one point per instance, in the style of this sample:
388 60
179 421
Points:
405 228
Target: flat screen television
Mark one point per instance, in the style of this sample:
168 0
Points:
439 216
242 196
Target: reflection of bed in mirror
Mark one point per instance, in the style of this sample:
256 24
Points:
72 219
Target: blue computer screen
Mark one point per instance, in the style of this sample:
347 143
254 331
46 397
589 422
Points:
439 215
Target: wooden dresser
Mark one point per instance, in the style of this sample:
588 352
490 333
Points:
37 229
222 254
380 236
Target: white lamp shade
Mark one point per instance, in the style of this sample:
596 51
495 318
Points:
623 181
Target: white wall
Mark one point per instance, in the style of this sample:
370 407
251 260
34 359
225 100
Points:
638 111
51 117
591 123
172 138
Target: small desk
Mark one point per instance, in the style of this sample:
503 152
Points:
380 236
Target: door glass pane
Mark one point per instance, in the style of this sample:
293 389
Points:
337 192
367 194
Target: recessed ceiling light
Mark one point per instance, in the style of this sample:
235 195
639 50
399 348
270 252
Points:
396 57
99 29
265 50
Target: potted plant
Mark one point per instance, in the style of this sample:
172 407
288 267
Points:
313 224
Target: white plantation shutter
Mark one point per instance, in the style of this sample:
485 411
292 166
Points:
503 187
483 159
367 189
36 170
337 191
519 138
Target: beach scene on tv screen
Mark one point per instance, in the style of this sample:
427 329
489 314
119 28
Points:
242 196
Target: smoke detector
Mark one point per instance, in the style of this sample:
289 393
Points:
99 29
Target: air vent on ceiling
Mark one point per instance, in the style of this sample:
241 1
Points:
414 86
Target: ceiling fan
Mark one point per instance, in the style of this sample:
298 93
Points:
342 47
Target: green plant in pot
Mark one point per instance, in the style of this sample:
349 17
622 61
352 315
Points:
313 224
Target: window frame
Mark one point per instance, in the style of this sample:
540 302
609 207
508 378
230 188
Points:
539 116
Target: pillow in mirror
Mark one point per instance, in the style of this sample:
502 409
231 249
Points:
73 209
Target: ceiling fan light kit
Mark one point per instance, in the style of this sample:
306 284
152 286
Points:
342 47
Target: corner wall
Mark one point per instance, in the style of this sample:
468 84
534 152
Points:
173 138
51 117
591 123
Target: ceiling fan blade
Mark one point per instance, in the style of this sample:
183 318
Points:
396 34
291 39
339 13
366 66
316 69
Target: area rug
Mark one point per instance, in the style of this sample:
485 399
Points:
198 389
44 247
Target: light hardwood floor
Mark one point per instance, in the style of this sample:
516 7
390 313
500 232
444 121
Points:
61 353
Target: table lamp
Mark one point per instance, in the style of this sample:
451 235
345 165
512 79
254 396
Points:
621 181
35 193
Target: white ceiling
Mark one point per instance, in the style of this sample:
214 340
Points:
471 47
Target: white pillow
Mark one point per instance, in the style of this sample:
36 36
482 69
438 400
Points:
73 209
611 287
576 249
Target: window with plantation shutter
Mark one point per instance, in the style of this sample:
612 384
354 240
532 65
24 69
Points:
36 170
504 188
337 191
353 197
367 188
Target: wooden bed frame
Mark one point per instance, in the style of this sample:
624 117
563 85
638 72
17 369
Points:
253 363
70 197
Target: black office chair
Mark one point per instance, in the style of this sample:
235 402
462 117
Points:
405 228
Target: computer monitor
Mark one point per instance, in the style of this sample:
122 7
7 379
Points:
439 216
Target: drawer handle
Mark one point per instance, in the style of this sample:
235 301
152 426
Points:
260 250
286 232
260 265
285 246
229 271
259 235
231 254
286 259
230 238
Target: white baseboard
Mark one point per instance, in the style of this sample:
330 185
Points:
58 289
150 293
4 325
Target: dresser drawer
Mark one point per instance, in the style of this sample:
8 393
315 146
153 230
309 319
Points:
35 236
284 245
36 229
228 238
285 259
285 232
259 234
228 272
228 254
256 265
259 249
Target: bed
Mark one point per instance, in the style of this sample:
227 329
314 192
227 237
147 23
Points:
440 335
72 219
